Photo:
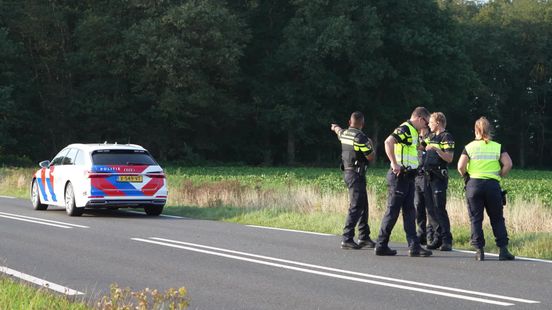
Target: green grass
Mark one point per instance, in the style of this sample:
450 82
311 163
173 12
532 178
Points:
527 185
15 295
315 199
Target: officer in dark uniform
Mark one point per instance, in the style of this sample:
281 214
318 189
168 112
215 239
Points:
401 148
439 153
425 229
357 150
483 163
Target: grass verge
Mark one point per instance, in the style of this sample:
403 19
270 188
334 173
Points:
19 295
315 199
16 295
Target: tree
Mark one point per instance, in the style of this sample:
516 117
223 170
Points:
510 48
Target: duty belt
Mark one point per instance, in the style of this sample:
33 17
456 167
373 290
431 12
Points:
408 172
357 169
437 172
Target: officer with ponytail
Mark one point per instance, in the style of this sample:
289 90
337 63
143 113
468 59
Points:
485 162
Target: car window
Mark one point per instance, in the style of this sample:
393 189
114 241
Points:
59 158
122 157
70 157
79 159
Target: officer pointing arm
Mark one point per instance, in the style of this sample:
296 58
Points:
356 151
363 145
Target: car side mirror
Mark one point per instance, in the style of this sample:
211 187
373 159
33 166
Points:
44 164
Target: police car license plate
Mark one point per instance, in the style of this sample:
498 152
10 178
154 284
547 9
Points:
130 178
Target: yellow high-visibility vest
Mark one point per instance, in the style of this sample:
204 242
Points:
407 154
484 160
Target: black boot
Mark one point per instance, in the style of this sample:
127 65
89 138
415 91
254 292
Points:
417 251
480 254
446 247
366 243
435 244
384 251
349 245
504 254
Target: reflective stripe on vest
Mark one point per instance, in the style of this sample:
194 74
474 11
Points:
407 155
484 160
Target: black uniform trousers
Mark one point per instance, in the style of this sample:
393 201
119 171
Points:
436 202
400 190
425 228
486 194
358 206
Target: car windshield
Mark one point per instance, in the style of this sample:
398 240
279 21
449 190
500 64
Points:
122 157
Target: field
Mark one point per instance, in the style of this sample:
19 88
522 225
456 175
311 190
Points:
315 199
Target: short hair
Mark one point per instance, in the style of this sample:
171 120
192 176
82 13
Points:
484 129
357 116
440 118
420 112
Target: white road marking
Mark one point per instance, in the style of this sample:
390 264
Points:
9 197
186 246
517 257
291 230
350 272
163 215
41 282
172 216
40 220
31 221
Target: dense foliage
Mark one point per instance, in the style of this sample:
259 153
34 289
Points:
259 81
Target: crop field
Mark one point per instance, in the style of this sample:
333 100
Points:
316 199
524 185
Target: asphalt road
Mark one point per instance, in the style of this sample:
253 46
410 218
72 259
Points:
231 266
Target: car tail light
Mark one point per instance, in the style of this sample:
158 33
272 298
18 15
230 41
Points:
158 175
90 174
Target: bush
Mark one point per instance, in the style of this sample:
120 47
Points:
16 161
146 299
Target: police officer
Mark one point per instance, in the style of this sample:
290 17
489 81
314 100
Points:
356 151
485 162
401 148
425 229
439 153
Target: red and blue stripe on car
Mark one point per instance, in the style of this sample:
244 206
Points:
106 180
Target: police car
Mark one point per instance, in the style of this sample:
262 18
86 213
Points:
91 176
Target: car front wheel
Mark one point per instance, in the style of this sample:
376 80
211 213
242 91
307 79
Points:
35 197
70 206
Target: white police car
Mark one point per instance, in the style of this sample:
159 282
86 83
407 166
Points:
90 176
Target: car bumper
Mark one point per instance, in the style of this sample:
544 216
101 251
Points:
124 203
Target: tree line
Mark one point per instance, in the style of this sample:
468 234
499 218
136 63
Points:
259 81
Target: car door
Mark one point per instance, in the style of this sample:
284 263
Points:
48 179
63 174
77 175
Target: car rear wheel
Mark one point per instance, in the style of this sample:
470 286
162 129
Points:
70 206
35 197
153 210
